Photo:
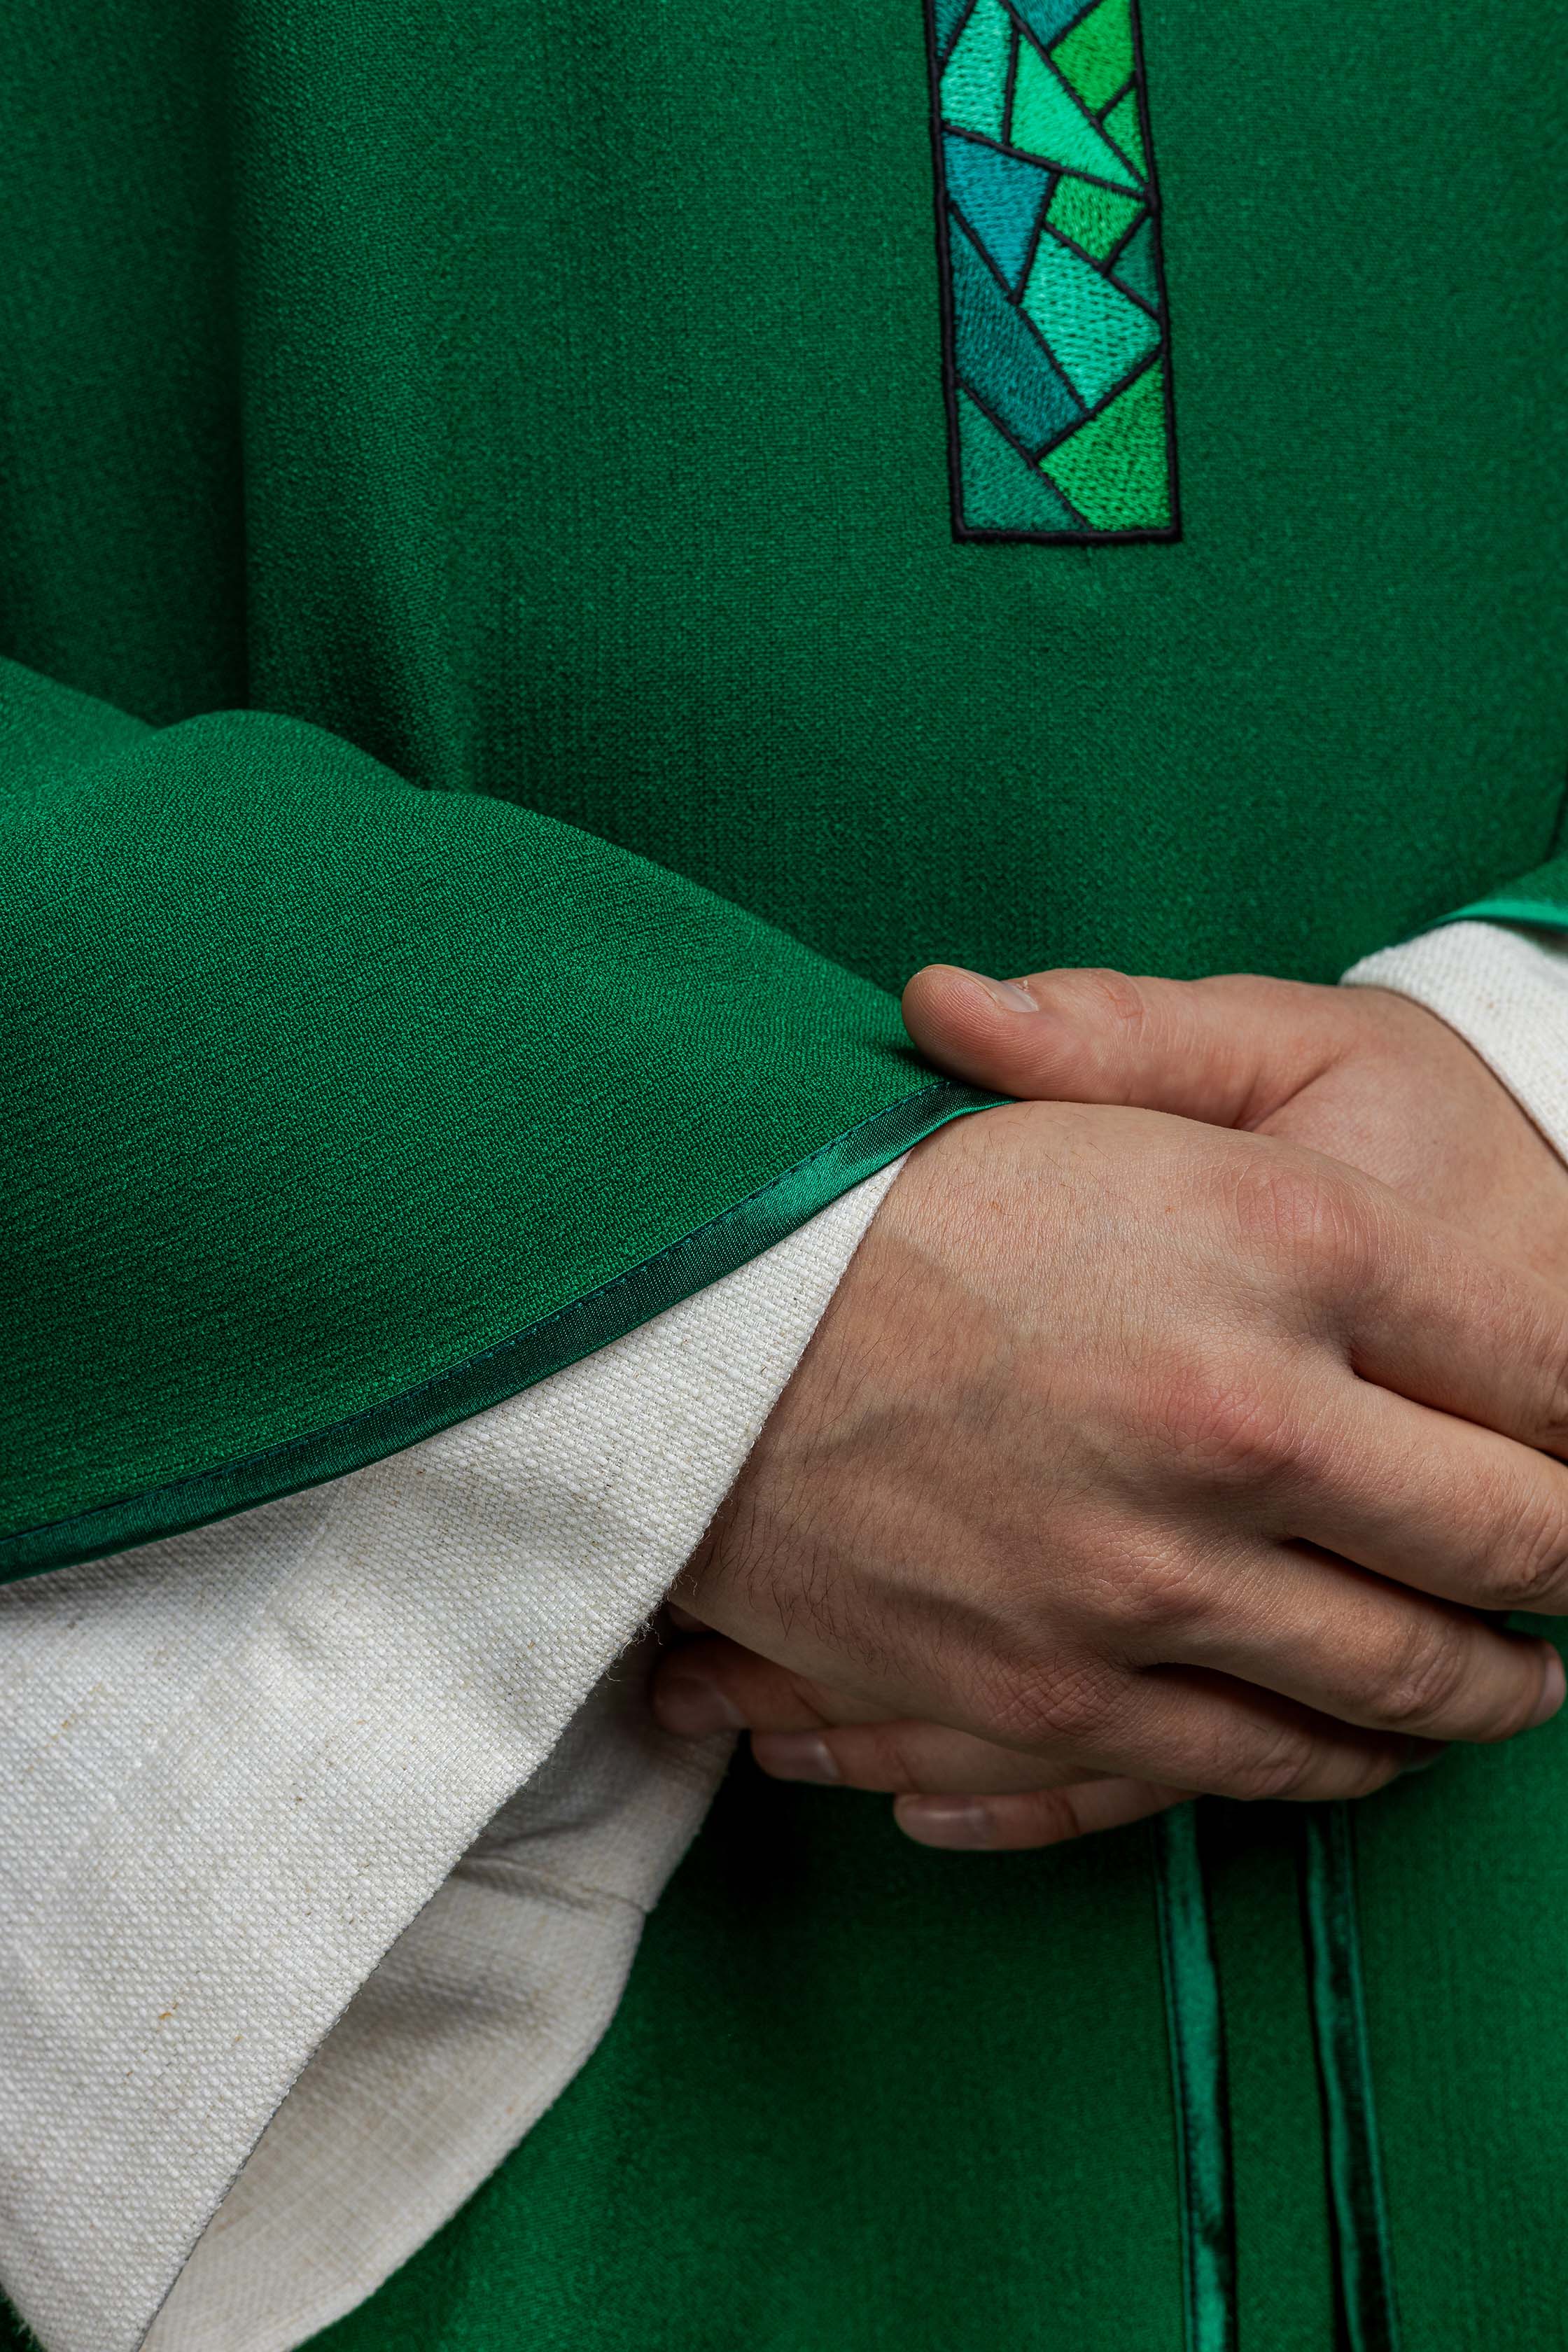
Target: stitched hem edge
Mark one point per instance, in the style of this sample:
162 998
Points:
1539 911
700 1257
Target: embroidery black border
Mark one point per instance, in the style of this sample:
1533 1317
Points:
971 534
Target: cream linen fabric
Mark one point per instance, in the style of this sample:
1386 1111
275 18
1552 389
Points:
240 1762
244 1766
477 2019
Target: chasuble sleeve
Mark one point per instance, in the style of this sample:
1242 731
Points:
1538 899
338 1109
413 1209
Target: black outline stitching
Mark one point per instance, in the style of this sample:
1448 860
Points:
1113 101
1143 213
1016 154
1139 172
1173 461
1052 185
963 532
965 14
1031 458
1015 304
1106 400
1102 269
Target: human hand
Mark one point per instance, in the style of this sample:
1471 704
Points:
1010 1563
1361 1074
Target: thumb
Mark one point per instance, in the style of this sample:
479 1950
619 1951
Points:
1229 1051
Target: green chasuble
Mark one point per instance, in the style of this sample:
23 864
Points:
552 555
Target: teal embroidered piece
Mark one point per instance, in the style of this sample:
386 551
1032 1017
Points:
1056 341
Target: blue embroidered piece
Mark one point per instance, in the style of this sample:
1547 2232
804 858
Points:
1056 337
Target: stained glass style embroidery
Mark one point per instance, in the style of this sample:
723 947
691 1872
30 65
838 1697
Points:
1057 348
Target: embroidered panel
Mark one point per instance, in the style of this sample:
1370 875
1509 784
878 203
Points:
1056 342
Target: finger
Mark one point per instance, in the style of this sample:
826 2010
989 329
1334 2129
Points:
906 1759
805 1731
1438 1505
1230 1050
714 1685
1317 1629
1418 1309
1423 1311
1184 1728
1043 1817
1196 1730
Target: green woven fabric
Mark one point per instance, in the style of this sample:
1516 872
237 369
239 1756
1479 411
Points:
321 1090
477 481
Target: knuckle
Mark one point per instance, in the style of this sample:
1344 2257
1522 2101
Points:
1058 1705
888 1758
1099 1017
1234 1427
1110 998
1293 1211
1281 1768
1159 1595
1428 1676
1552 1435
1057 1816
1103 1024
1533 1574
1362 1774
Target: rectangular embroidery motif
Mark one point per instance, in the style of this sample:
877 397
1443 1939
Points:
1059 382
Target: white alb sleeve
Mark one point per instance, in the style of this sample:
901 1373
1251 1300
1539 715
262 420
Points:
330 1829
328 1832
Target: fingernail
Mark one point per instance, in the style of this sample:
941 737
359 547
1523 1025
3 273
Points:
1553 1686
691 1706
1424 1754
795 1756
1010 994
944 1820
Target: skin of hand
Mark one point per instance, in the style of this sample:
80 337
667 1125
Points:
1135 1451
1363 1073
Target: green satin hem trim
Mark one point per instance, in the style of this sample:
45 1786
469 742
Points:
1195 2022
562 1338
1363 2260
1509 910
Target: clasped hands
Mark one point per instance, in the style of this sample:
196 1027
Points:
1169 1431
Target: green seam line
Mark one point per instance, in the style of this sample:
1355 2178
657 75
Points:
562 1338
1363 2257
1195 2023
